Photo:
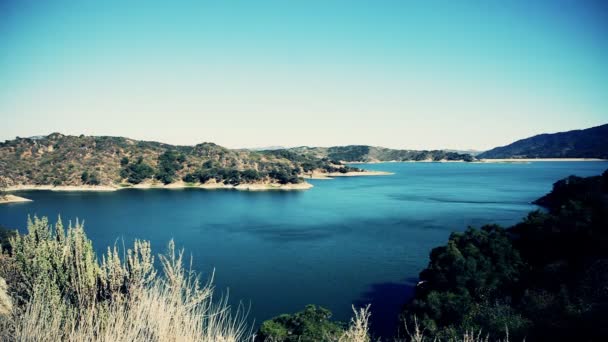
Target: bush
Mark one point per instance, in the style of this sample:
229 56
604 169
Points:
137 172
542 279
168 164
72 297
90 178
309 325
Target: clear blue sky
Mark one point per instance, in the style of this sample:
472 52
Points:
407 74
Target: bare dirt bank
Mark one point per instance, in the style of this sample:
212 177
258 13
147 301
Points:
13 199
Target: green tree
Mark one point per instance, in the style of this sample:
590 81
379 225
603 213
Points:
312 324
168 164
137 172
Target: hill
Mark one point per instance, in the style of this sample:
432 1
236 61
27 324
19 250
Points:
543 279
585 143
364 153
64 160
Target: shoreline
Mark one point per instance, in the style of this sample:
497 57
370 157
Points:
13 199
531 160
182 185
496 160
331 175
405 161
216 186
176 185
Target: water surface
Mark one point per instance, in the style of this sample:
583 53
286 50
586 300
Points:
348 240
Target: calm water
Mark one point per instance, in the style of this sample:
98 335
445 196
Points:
349 240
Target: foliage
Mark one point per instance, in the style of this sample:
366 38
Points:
223 175
168 164
312 324
542 279
74 160
137 172
88 178
70 296
364 153
5 236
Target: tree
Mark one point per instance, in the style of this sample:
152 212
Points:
168 163
137 172
90 178
309 325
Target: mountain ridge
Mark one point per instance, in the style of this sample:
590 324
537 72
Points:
581 143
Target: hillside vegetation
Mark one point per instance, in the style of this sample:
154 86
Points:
364 153
544 279
585 143
59 159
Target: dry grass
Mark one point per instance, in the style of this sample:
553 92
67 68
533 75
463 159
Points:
164 311
6 304
418 335
69 296
358 330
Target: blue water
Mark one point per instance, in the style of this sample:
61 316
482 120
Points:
352 240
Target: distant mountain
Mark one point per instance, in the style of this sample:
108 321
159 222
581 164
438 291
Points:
61 160
471 152
266 148
585 143
364 153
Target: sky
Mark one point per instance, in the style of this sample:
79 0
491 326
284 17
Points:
401 74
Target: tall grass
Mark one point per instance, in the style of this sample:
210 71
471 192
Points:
70 296
358 330
56 289
418 335
6 304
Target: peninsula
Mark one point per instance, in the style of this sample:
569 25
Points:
101 163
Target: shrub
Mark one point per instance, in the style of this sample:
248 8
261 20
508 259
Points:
168 163
137 172
70 296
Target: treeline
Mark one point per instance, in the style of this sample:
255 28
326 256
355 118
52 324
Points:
365 153
544 279
309 163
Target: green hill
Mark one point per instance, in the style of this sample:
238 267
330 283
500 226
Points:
543 279
60 160
364 153
585 143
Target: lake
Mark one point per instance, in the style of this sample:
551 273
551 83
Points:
351 240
